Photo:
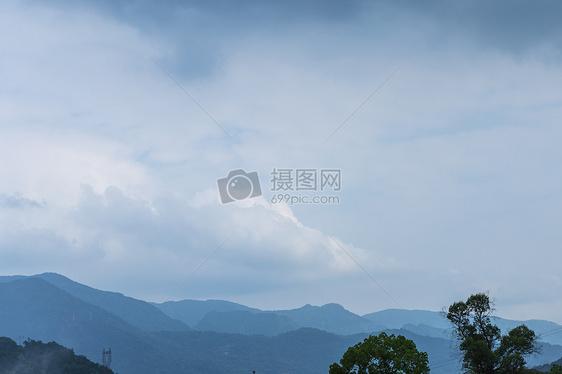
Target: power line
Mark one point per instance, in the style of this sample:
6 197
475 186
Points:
360 106
197 103
199 267
365 271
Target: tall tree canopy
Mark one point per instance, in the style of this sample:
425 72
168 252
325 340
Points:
485 350
382 354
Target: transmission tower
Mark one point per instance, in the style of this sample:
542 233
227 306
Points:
107 358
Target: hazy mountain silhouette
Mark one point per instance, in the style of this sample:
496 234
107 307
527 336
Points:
248 323
193 311
396 318
433 322
50 307
138 313
330 317
33 308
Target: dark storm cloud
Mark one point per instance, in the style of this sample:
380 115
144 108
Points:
513 26
197 28
239 12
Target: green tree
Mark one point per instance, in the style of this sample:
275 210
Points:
382 354
9 353
485 350
555 369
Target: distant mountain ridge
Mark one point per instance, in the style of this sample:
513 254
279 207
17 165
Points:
227 337
224 316
138 313
396 318
193 311
247 323
185 314
331 318
34 308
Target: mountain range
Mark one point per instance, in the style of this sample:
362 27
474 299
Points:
213 336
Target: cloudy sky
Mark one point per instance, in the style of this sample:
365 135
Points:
118 117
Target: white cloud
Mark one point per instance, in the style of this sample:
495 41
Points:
167 238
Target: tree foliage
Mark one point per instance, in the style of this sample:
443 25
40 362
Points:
382 354
485 350
50 358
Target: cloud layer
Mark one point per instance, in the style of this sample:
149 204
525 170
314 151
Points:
450 172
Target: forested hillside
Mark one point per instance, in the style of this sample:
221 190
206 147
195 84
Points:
38 357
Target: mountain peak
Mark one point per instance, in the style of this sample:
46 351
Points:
333 306
53 276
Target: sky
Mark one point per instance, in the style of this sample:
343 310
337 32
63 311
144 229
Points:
441 119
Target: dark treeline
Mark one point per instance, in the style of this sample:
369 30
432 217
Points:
36 357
